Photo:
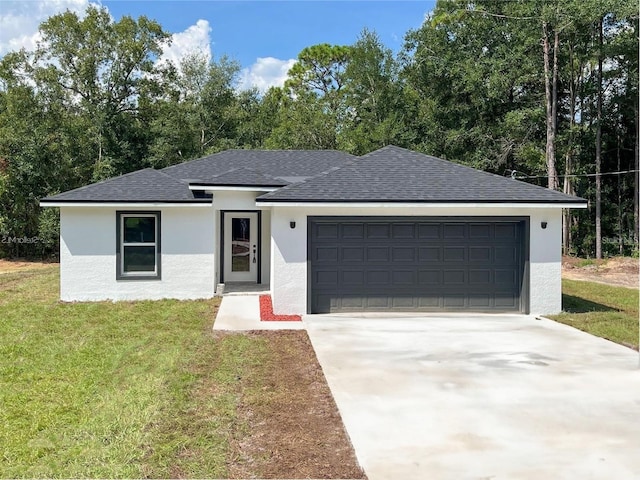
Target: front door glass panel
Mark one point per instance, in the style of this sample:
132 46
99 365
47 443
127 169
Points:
240 244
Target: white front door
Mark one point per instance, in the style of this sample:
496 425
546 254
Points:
241 247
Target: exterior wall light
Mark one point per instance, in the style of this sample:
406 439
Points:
543 225
292 224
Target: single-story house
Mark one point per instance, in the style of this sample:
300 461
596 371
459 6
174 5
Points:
393 230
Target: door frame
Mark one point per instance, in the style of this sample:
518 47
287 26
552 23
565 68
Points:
259 241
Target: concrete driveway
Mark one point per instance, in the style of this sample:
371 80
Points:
481 397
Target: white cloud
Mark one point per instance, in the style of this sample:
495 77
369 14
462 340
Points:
194 39
265 72
19 20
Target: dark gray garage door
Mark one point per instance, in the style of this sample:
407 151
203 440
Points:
424 264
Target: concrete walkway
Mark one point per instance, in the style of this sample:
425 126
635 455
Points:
242 312
481 397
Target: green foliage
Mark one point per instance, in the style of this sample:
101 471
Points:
92 101
319 69
199 114
376 107
48 230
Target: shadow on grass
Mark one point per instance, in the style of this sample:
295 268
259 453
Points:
574 304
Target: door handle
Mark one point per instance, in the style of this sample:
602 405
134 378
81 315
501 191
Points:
254 254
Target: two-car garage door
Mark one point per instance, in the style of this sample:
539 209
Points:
416 264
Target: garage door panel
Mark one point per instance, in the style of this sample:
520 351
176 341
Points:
480 301
454 231
429 302
429 231
380 302
480 277
453 301
378 277
403 302
403 277
325 254
325 278
480 231
403 254
353 231
351 278
403 231
430 277
325 303
352 302
429 254
506 231
506 301
505 278
453 277
352 254
480 254
505 255
326 231
454 254
420 265
378 254
378 231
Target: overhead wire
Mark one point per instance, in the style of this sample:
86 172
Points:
514 174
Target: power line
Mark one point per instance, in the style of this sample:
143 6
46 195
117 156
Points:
514 174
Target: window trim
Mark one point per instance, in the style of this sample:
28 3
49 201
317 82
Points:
121 215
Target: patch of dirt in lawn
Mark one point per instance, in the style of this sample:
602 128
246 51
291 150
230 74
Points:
293 428
620 271
10 266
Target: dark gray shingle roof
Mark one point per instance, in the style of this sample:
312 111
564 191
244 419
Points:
243 177
276 163
393 174
146 185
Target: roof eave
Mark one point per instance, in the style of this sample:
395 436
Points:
234 188
128 203
434 204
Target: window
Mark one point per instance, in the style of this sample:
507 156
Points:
138 245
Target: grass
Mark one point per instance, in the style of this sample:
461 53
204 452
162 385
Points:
586 262
107 390
606 311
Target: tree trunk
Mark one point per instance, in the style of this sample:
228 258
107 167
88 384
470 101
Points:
636 182
620 210
567 186
551 96
599 148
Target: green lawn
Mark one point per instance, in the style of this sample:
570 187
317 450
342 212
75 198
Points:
109 390
606 311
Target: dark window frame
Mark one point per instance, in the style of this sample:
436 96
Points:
120 216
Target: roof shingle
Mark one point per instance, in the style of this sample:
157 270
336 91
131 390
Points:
394 174
275 163
244 177
146 185
390 174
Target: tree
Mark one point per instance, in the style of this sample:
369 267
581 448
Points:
100 67
197 115
315 86
374 98
70 114
473 105
516 86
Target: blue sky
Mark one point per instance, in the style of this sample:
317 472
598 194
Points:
265 36
247 30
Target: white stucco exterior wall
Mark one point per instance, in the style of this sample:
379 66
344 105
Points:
289 250
88 255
